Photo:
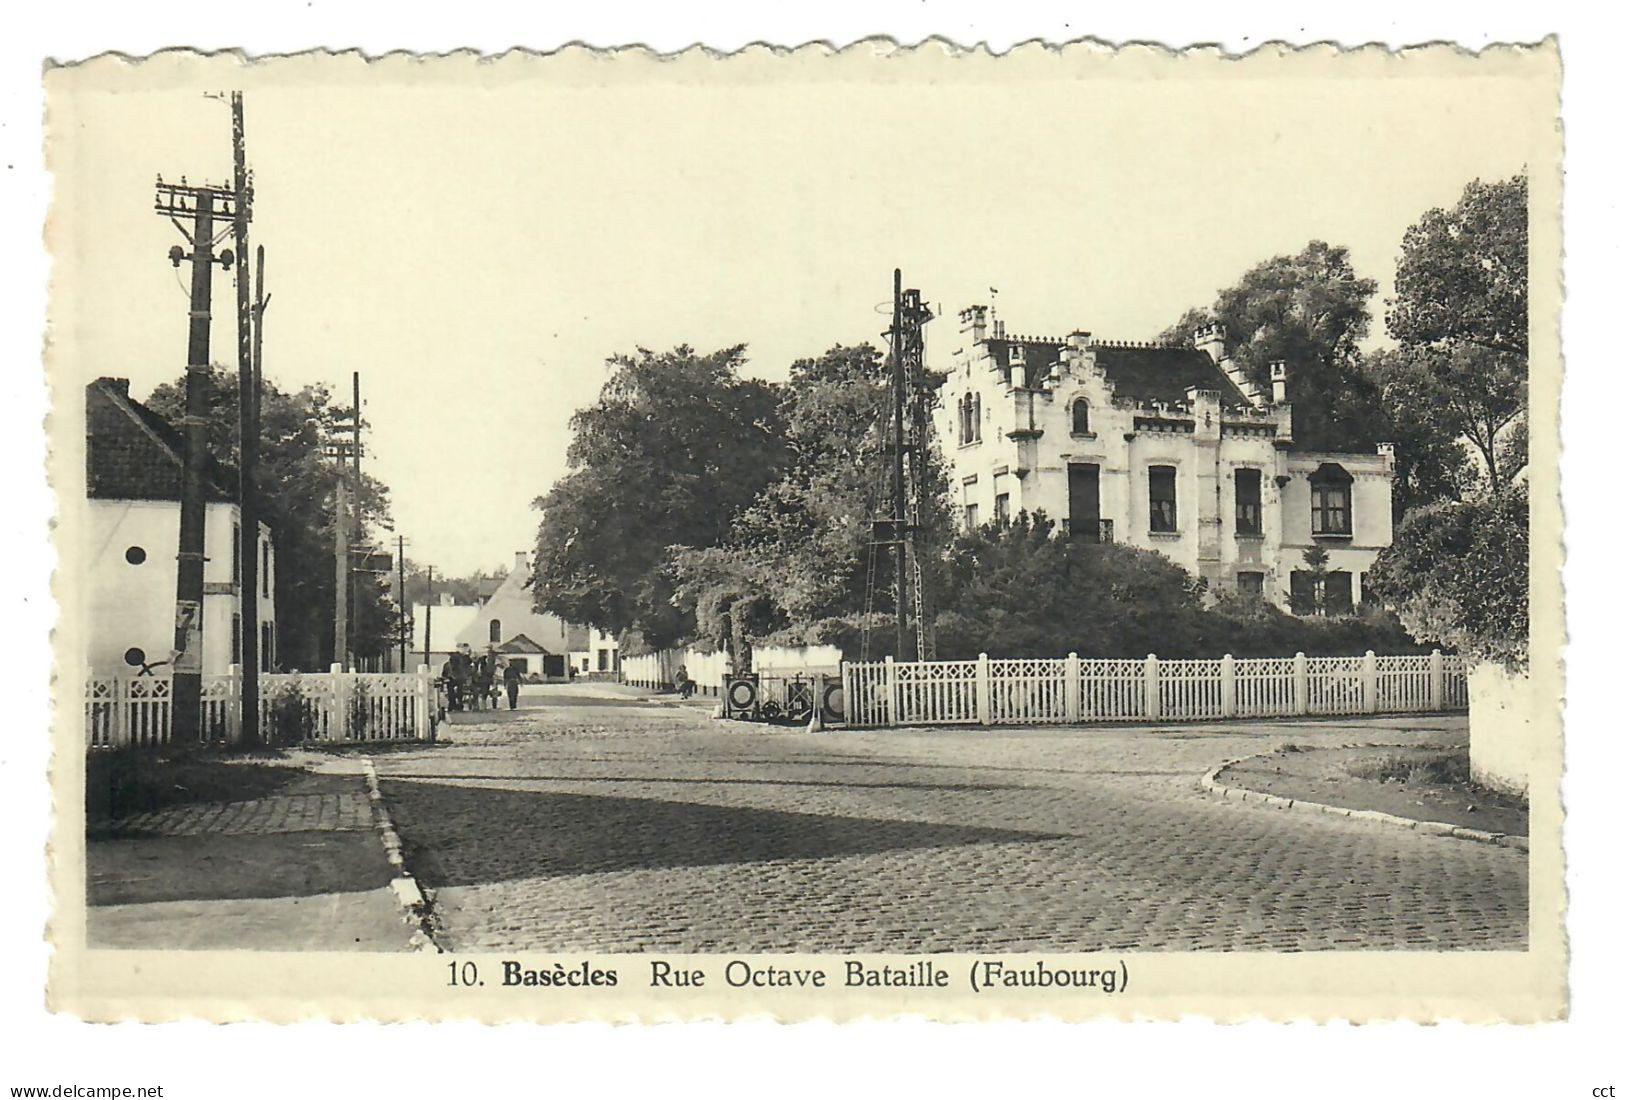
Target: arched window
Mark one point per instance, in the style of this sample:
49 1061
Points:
1080 417
496 630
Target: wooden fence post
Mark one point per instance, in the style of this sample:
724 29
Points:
892 716
1153 688
338 719
984 690
1436 680
1227 686
1368 681
234 704
119 726
1300 684
1074 688
423 705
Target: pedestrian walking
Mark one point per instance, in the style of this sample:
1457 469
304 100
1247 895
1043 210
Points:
510 680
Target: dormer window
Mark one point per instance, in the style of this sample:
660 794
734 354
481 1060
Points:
1080 417
1018 354
1331 502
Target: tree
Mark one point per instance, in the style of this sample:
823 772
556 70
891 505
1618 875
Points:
675 447
1458 574
1431 461
1311 311
1463 277
800 561
1461 315
296 484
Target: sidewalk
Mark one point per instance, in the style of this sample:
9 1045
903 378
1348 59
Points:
298 866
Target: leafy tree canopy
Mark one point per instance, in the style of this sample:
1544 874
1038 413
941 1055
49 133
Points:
676 445
1463 277
1458 574
1460 314
1311 311
800 556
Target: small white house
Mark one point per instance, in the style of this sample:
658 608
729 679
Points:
597 655
134 468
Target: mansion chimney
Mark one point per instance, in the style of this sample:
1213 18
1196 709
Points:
520 559
1278 382
973 324
1210 338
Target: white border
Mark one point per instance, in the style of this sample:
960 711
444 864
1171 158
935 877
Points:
1394 1060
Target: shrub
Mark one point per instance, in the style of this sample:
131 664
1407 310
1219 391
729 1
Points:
1458 574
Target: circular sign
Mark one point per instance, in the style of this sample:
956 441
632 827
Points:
741 694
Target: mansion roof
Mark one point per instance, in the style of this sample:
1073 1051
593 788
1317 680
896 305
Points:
1145 372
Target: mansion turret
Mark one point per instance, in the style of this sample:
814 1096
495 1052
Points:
1163 447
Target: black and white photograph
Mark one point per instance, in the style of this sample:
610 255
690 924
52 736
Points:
813 531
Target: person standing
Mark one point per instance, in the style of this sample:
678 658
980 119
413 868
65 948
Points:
484 671
459 676
510 680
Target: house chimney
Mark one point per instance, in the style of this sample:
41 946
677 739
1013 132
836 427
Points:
973 323
1210 338
120 386
1278 382
519 559
1387 451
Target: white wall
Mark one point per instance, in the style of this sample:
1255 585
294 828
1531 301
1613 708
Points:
1501 727
133 605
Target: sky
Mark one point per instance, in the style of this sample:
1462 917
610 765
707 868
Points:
478 250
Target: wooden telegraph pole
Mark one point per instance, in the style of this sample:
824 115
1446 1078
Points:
899 508
345 452
179 202
428 621
400 595
248 440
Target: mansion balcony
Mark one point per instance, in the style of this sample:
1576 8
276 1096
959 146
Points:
1088 530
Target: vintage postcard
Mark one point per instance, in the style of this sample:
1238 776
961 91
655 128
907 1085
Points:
898 531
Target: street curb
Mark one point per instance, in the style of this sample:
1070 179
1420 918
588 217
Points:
1210 783
405 887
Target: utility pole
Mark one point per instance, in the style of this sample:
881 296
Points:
343 453
248 442
400 583
341 568
176 202
353 517
428 622
261 300
915 314
899 508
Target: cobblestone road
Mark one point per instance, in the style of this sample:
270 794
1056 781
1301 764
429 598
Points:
585 823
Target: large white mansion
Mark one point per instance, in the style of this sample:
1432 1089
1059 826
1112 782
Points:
1167 448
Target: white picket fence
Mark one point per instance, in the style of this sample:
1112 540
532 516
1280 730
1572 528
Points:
989 692
333 706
